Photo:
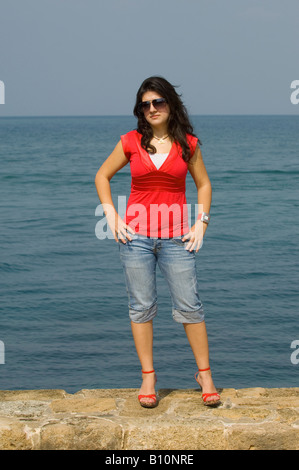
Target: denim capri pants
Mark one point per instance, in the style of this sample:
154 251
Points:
139 258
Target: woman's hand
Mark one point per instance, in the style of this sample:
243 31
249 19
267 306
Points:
118 227
195 236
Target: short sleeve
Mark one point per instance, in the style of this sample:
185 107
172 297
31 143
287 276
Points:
126 147
192 142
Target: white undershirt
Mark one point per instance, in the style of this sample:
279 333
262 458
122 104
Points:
158 159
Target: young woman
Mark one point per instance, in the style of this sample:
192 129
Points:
155 228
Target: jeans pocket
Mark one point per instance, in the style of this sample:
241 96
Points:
133 237
179 241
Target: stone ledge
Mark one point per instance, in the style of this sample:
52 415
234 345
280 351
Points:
252 418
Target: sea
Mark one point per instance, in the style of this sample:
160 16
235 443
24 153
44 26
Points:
64 320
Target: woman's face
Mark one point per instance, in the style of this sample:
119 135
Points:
157 118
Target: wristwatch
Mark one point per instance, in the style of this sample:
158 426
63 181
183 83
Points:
204 217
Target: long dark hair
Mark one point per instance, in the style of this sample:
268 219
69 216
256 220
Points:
178 125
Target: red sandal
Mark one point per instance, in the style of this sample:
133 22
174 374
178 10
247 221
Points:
153 396
207 395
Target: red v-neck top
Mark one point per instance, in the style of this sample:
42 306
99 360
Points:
157 205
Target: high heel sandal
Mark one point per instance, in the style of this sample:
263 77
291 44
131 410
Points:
152 396
208 395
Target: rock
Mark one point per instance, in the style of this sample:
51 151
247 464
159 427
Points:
81 434
248 419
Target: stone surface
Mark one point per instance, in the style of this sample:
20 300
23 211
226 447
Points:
247 419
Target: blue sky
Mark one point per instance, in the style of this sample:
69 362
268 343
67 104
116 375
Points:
88 57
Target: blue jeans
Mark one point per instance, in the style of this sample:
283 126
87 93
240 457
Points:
139 258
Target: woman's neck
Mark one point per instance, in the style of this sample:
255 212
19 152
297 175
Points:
160 132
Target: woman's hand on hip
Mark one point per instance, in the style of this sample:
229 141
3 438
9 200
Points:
195 236
120 230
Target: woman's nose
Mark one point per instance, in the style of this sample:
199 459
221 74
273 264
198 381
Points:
152 108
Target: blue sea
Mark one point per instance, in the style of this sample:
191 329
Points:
64 314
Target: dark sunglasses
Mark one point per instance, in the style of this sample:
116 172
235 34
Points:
158 104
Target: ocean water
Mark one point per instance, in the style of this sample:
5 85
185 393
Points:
63 307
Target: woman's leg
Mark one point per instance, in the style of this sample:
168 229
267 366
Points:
143 338
198 339
179 269
139 263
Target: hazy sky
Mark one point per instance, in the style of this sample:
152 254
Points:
89 57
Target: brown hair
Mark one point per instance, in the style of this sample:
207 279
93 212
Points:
178 125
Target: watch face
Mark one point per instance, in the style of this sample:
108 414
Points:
204 217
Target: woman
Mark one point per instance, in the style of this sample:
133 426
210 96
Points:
155 227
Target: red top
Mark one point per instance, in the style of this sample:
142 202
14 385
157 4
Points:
157 205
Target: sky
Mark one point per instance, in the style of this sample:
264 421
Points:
89 57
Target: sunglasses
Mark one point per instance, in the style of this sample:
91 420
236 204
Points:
159 104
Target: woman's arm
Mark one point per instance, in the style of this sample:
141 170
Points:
201 179
115 162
